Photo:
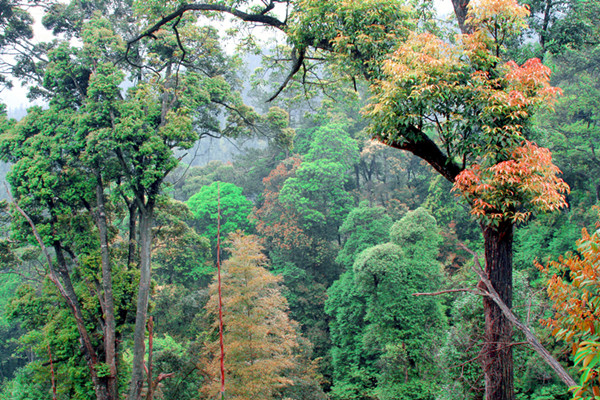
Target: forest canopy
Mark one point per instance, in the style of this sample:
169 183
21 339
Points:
379 203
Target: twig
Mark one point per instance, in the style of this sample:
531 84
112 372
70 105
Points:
221 342
449 291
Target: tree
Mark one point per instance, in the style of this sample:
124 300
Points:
476 103
562 27
503 177
235 209
301 249
363 227
276 220
353 367
385 339
317 190
15 28
260 340
181 256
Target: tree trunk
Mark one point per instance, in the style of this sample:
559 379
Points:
497 359
110 341
132 225
460 10
137 371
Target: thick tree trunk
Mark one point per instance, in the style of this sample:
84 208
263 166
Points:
137 372
497 358
110 342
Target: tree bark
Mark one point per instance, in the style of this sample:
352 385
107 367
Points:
110 342
531 339
132 226
497 357
460 10
426 149
137 372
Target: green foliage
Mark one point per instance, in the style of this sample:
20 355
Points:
417 233
564 26
385 341
26 386
544 238
363 227
10 358
16 25
573 131
354 370
235 208
49 327
178 357
448 212
333 143
463 377
459 356
361 33
91 166
380 330
197 177
317 194
317 191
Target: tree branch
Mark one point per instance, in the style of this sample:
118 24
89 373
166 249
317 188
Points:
425 148
297 61
89 351
448 291
531 339
260 18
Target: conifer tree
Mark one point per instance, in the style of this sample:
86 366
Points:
260 339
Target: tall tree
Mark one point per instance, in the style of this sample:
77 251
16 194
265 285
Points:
504 177
353 367
386 339
260 340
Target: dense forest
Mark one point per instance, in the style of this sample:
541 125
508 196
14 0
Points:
301 200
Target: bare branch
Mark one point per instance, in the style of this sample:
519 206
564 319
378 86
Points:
477 292
531 339
260 18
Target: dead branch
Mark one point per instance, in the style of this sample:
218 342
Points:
477 292
531 339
